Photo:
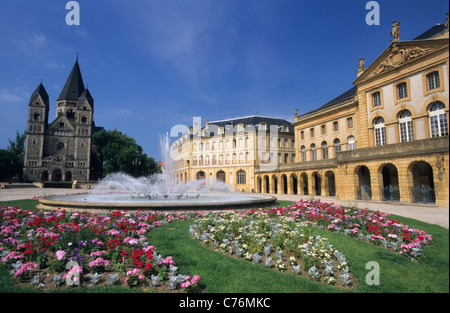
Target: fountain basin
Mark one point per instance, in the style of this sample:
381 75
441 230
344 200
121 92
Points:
131 201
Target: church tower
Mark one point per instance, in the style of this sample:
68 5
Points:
37 124
60 151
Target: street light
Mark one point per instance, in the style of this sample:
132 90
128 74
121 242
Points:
136 164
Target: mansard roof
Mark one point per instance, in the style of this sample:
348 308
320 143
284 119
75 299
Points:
254 121
74 86
344 98
433 31
40 90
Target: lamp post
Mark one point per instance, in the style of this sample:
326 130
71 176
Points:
136 163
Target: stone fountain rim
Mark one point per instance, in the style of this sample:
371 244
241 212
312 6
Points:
48 203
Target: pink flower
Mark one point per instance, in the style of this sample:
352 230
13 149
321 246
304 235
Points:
195 279
25 267
185 284
60 254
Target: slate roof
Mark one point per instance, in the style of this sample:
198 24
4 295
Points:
74 86
433 31
253 121
40 90
344 96
86 95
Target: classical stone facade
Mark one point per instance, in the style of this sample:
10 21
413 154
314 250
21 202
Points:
232 151
61 150
386 138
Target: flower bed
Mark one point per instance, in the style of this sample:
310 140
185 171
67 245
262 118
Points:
275 242
60 249
371 226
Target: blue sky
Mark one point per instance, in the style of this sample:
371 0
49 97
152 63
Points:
153 64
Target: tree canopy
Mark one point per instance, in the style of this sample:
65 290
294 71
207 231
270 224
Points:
11 158
119 153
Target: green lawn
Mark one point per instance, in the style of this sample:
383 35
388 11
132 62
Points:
223 274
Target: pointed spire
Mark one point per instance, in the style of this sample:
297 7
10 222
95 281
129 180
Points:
40 90
74 86
86 95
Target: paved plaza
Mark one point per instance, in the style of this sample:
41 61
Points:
424 212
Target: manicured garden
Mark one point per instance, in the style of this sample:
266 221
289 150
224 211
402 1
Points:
307 246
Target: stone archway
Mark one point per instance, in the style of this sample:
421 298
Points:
364 189
390 189
44 176
201 175
220 176
317 180
423 190
267 184
284 184
294 183
68 176
330 183
57 175
259 184
304 184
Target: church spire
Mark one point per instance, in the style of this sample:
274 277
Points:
74 86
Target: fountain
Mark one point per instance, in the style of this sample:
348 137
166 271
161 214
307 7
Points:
156 192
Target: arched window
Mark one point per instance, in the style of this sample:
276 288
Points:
324 150
380 132
303 151
37 116
406 126
438 120
313 152
351 143
337 147
241 177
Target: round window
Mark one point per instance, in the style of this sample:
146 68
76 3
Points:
60 145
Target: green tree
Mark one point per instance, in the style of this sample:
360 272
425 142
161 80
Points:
120 153
11 158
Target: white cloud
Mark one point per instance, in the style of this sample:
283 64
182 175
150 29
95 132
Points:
13 95
38 41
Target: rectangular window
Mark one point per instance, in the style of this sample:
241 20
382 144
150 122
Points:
311 132
302 135
303 155
433 81
402 91
380 136
350 122
439 126
313 154
335 126
376 99
406 131
324 152
323 129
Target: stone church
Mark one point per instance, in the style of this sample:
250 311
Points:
61 151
